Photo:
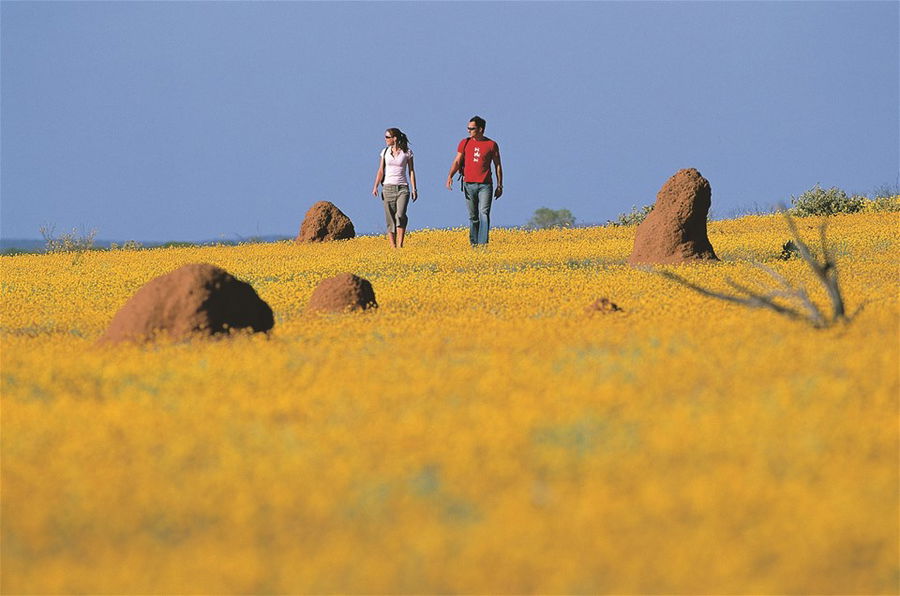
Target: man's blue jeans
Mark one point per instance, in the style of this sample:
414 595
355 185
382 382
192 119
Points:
478 199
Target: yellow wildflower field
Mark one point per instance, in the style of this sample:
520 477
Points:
478 432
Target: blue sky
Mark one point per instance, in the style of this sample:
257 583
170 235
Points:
200 120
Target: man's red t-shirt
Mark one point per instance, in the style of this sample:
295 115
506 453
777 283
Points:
477 158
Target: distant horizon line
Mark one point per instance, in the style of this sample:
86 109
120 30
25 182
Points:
5 240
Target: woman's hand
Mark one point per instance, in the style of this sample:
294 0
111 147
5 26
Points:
414 194
375 191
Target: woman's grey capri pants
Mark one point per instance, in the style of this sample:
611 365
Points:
395 198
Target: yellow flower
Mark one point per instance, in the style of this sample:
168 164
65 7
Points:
480 432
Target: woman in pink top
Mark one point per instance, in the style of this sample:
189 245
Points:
394 161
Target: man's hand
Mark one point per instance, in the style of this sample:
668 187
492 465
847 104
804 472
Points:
498 191
449 182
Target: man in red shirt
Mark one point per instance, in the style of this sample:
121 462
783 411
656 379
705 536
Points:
474 156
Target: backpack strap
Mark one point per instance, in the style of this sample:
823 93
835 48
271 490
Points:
462 179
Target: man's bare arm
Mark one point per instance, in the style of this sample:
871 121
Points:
499 168
454 168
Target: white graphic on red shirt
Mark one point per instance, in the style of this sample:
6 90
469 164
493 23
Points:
477 154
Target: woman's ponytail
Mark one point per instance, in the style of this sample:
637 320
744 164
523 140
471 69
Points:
403 142
402 139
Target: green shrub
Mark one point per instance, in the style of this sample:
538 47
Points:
819 201
632 219
178 244
71 242
551 218
127 245
884 204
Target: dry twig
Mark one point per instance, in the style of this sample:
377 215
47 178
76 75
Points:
803 308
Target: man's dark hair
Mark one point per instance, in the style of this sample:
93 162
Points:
479 121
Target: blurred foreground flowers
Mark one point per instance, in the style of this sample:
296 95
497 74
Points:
480 432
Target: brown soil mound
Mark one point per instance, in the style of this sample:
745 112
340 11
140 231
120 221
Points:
675 231
342 293
194 299
603 306
324 222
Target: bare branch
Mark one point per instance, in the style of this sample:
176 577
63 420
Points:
830 278
752 299
827 256
773 274
798 293
825 272
766 301
802 248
